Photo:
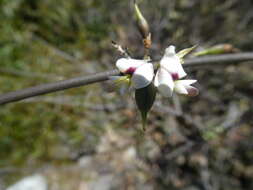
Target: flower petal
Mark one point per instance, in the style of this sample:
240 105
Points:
180 88
173 65
186 82
164 82
143 76
192 91
181 71
124 64
184 87
171 50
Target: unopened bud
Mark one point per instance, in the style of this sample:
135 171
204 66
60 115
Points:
217 49
145 98
141 22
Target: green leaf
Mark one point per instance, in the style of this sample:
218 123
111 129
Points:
145 98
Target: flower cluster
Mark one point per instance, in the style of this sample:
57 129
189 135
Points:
168 77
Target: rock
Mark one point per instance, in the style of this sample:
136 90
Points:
35 182
105 182
85 161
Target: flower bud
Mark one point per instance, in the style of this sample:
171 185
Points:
145 98
142 24
217 49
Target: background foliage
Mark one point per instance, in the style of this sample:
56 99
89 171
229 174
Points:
49 40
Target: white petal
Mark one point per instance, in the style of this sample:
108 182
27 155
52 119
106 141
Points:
184 87
173 65
123 64
180 88
164 82
170 51
143 76
157 76
186 82
181 71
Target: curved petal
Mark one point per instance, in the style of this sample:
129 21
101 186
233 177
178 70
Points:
180 88
181 72
186 82
143 76
184 87
171 50
192 91
164 82
157 77
173 65
124 64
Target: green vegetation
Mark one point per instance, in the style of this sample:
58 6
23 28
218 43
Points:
50 40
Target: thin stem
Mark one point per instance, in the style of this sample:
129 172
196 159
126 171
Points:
55 86
99 77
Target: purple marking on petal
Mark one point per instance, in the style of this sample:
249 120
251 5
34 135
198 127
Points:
192 91
175 76
130 70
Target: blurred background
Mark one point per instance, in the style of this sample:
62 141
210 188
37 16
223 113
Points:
89 137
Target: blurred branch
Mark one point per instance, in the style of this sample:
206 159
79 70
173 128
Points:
99 77
219 59
180 150
233 115
56 50
120 49
19 73
56 86
76 101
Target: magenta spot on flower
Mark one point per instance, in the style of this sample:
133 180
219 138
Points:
130 70
175 76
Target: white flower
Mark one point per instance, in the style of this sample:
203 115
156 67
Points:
184 87
169 73
141 71
172 63
164 82
170 69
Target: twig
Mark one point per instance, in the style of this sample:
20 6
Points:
219 59
233 115
28 74
120 49
99 77
56 50
180 150
73 101
55 86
